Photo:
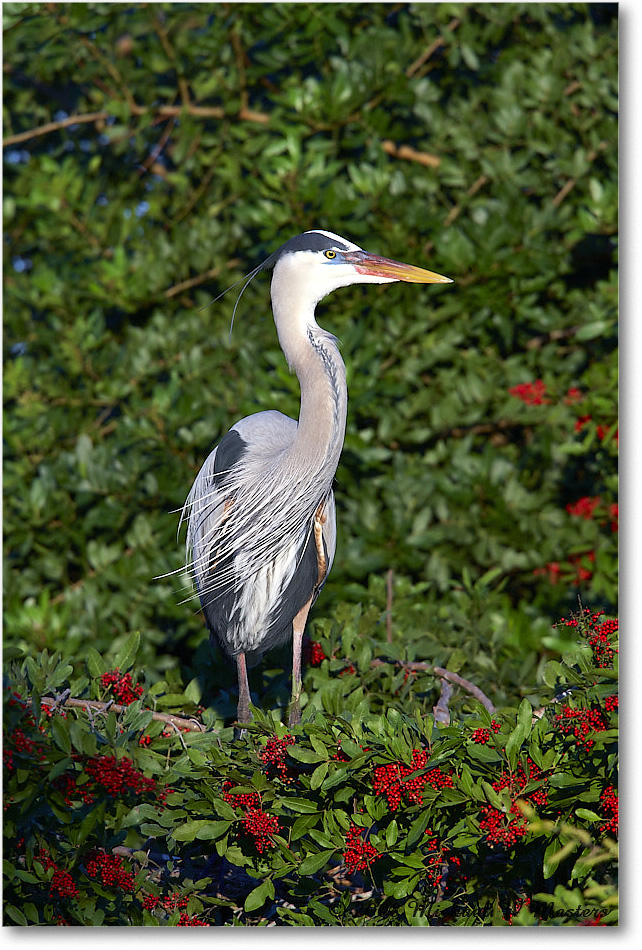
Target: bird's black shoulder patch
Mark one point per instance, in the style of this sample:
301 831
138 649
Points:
229 452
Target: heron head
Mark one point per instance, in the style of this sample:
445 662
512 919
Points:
317 262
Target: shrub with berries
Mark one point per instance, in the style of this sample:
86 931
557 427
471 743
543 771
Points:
491 818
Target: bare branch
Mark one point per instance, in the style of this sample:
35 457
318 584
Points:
441 711
427 53
410 154
199 279
54 127
467 685
178 722
424 667
167 111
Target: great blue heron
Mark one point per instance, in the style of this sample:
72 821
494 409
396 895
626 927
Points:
261 527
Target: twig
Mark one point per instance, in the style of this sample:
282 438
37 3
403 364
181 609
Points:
422 666
61 700
427 53
167 111
441 711
158 148
179 734
551 336
183 88
456 209
54 127
570 184
467 685
193 281
410 154
192 725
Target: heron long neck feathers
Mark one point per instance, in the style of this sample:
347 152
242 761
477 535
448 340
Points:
277 489
313 355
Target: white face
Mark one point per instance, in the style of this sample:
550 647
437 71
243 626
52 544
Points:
304 276
308 276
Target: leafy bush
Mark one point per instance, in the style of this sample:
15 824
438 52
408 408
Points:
152 155
355 818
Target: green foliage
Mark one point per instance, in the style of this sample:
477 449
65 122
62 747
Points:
358 818
480 462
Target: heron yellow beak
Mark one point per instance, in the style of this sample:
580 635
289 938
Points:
375 266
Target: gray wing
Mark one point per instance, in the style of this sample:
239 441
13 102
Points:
250 613
210 501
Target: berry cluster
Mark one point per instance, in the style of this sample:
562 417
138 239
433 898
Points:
61 884
50 712
169 903
597 633
506 828
580 723
500 827
108 868
186 921
66 785
243 800
603 652
584 507
339 755
611 703
22 743
313 653
121 686
480 736
273 755
261 827
519 903
395 783
610 801
533 394
441 862
118 775
359 854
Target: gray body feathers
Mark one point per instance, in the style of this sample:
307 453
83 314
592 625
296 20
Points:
255 565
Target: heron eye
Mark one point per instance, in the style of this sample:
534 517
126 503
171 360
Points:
330 254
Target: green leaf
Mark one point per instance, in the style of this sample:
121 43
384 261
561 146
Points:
60 733
95 663
514 744
189 830
16 915
303 824
417 828
125 657
525 717
588 814
259 895
392 833
305 755
301 805
314 862
318 776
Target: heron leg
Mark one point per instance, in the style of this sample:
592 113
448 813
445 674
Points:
243 713
298 626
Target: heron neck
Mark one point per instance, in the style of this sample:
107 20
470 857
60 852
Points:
314 356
